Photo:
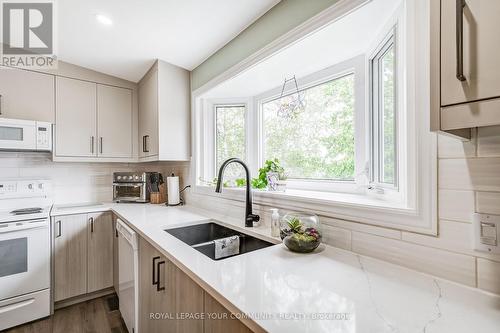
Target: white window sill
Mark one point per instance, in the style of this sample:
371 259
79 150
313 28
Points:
367 209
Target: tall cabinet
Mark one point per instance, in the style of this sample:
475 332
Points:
465 48
164 114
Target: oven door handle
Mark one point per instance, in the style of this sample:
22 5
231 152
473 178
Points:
14 306
24 226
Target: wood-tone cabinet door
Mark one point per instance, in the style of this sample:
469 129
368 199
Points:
148 115
157 291
100 251
75 128
114 121
188 299
219 319
481 47
26 95
70 256
150 299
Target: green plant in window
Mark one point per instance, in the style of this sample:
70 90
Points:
269 166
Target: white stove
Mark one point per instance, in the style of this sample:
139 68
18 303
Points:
24 251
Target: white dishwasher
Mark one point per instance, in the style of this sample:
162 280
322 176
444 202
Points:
128 275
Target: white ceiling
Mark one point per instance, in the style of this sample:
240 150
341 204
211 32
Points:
345 38
181 32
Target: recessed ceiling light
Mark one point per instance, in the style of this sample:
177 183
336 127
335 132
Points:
103 19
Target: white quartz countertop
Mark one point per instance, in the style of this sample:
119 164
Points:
330 290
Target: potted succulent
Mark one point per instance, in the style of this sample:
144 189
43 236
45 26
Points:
300 232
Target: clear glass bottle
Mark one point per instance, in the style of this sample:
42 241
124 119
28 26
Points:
275 222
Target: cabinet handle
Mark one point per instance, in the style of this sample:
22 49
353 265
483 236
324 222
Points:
91 144
158 288
460 40
91 224
0 105
146 139
100 144
154 272
59 231
143 143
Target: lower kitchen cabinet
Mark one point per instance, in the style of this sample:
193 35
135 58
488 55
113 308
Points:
165 293
218 319
70 256
83 254
100 251
168 297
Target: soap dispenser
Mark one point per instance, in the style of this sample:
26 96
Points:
275 223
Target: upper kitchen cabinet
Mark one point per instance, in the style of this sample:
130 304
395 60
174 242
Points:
75 130
164 114
93 121
16 85
114 119
148 114
465 34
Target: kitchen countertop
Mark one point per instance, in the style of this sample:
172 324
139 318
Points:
330 290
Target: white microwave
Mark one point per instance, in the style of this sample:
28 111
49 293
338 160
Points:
25 135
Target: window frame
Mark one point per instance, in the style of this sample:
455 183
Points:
355 66
208 170
418 213
376 113
228 105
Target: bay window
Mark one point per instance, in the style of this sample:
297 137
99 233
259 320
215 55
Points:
358 146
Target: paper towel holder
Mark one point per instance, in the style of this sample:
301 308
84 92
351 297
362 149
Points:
181 199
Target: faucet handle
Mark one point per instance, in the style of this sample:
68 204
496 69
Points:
251 218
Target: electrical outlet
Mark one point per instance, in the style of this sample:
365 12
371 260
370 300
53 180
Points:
486 233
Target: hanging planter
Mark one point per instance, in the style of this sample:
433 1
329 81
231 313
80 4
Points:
291 105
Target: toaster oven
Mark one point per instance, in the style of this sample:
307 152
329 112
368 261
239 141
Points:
131 187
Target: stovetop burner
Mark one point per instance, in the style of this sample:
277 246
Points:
25 211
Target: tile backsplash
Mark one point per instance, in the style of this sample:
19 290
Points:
78 182
469 181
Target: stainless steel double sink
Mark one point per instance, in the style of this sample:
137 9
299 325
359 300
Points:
201 237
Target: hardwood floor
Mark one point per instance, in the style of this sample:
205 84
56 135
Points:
99 315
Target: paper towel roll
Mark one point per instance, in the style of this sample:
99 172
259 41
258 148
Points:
173 190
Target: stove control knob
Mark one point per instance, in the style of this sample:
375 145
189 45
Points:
130 177
40 186
30 186
119 177
136 177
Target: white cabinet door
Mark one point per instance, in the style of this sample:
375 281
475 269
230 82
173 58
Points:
481 49
114 119
26 95
148 115
75 127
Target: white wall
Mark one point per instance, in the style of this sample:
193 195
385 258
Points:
469 180
78 182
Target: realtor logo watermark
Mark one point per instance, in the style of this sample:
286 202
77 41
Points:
28 34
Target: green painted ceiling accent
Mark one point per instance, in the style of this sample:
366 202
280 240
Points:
280 19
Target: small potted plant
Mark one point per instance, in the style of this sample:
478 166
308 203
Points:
301 232
271 175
